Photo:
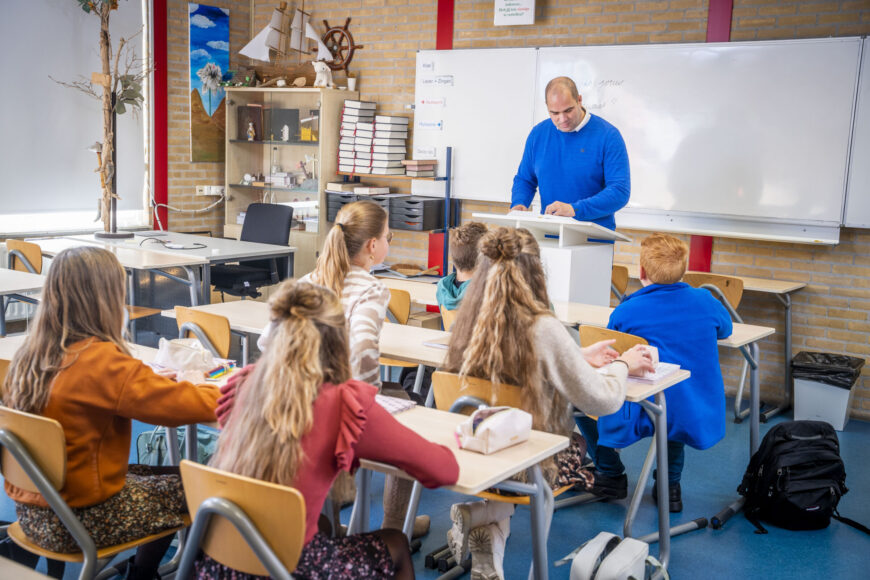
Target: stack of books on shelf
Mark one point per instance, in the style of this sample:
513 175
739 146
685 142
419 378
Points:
357 132
388 145
420 167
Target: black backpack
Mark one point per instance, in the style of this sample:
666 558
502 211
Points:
796 478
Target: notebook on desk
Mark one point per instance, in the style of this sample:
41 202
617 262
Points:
661 371
394 404
440 343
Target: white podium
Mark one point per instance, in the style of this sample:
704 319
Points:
577 270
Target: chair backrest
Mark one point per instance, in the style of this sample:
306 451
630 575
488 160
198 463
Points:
619 278
268 223
448 317
215 327
591 334
400 305
449 387
730 286
4 367
31 252
277 511
44 440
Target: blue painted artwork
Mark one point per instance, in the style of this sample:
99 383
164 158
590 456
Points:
209 62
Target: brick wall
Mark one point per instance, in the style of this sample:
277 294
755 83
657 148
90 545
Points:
184 176
832 313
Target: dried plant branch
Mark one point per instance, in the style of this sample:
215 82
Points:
83 85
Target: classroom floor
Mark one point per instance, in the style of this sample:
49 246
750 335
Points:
709 482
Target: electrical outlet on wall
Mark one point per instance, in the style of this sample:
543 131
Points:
216 190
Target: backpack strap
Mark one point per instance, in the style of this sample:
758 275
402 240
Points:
851 522
608 547
752 515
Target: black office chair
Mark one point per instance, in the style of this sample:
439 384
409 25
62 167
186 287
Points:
265 223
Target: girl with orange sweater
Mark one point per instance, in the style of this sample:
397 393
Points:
76 368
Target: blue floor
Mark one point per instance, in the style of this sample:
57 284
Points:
709 482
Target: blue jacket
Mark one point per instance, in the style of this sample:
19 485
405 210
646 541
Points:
586 168
448 294
684 323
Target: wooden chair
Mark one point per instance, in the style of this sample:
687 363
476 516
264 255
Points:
619 281
589 335
250 525
729 291
212 330
448 317
24 256
33 458
399 310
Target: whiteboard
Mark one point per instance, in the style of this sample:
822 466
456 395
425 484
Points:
721 137
858 193
479 102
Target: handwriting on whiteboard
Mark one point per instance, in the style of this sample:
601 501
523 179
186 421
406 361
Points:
438 80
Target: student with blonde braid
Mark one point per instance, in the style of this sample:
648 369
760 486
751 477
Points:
304 379
507 334
360 239
75 367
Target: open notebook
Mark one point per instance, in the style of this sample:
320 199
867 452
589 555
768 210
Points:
662 370
394 404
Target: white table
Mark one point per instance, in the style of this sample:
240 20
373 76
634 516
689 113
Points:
476 473
211 251
135 259
14 284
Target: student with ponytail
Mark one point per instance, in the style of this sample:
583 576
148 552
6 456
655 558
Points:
304 379
75 367
506 333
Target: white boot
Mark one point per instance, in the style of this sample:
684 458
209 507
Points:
466 516
486 544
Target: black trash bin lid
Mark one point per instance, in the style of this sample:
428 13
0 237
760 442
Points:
837 370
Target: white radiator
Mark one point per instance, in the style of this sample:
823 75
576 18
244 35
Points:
16 310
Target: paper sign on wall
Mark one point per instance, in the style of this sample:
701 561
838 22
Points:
514 12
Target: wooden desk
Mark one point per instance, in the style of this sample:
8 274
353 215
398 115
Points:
11 569
13 284
781 290
10 345
213 251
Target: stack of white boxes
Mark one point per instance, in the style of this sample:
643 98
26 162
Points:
357 132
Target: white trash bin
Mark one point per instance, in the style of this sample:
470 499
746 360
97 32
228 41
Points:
823 386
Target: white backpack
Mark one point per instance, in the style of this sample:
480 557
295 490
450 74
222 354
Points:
609 557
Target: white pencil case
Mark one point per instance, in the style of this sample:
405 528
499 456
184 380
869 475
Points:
490 429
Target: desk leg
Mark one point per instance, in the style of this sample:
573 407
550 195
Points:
359 517
2 316
206 284
786 403
541 506
418 380
411 514
172 446
190 443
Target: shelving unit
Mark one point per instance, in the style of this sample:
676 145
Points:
313 113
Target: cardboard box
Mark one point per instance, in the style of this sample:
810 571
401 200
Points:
425 320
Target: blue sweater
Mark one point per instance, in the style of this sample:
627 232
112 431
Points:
684 323
586 168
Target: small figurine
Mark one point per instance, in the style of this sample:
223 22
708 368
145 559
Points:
251 132
285 133
324 74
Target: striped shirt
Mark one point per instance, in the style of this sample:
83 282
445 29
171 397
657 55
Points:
364 299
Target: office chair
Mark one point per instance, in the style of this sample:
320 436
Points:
265 223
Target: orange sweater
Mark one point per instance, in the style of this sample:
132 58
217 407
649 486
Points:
94 400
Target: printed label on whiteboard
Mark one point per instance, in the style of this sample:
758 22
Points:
424 153
439 81
442 102
430 125
428 66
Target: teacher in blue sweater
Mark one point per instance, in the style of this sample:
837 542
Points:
578 161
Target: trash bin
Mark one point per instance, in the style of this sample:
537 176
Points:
823 386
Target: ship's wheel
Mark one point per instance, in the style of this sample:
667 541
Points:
339 41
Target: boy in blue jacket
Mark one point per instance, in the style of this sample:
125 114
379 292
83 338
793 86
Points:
684 323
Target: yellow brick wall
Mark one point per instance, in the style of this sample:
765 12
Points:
832 313
184 176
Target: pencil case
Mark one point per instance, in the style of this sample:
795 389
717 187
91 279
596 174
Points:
490 429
